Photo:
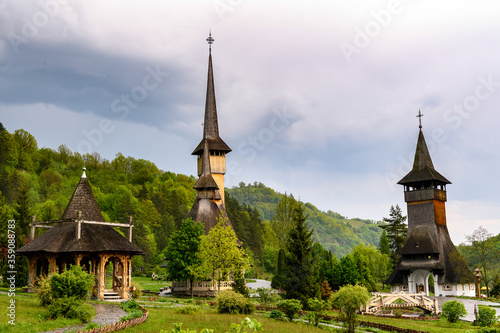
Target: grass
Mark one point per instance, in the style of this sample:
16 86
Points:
146 283
433 326
30 316
164 318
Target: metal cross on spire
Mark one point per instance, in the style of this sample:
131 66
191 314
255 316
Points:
210 41
419 116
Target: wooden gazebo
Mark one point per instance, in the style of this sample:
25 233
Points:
82 237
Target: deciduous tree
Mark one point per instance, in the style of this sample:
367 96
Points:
483 251
181 251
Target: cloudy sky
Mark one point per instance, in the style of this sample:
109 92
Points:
315 98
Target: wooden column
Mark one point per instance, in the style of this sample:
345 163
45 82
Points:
31 274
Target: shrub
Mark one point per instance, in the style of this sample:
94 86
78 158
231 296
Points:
136 290
290 307
266 296
129 305
74 282
43 292
91 326
253 325
486 316
187 310
83 312
318 308
61 306
276 314
453 310
348 300
228 301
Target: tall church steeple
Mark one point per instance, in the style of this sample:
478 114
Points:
428 248
216 146
209 204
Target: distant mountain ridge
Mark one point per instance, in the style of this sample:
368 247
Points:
332 230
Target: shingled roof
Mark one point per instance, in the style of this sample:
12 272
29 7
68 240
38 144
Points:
210 125
423 169
94 237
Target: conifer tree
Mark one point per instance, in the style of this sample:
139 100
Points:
300 278
383 245
396 232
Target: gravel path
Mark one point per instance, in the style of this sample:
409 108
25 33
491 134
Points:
259 284
106 314
469 306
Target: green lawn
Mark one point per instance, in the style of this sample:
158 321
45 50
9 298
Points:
147 283
29 316
432 326
163 319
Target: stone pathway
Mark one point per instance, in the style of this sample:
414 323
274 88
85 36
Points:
469 305
106 314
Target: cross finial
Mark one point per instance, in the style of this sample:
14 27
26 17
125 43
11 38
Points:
419 116
210 41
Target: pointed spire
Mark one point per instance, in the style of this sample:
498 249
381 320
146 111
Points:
210 124
83 174
83 201
423 168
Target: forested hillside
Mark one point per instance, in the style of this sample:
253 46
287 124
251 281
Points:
332 230
40 181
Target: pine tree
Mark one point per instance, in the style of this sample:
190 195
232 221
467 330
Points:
300 278
396 232
383 244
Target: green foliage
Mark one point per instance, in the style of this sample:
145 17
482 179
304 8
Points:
91 326
276 314
299 279
383 245
266 296
239 284
136 290
348 300
219 253
486 316
63 294
82 312
332 230
396 232
181 251
290 307
187 309
132 308
317 308
43 292
228 301
253 325
453 310
74 282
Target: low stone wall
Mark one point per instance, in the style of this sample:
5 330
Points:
121 324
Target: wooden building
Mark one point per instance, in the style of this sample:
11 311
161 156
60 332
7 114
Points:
209 203
82 237
428 248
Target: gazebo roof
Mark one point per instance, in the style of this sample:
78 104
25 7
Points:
94 237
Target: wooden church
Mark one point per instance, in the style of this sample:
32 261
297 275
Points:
428 248
82 237
209 203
